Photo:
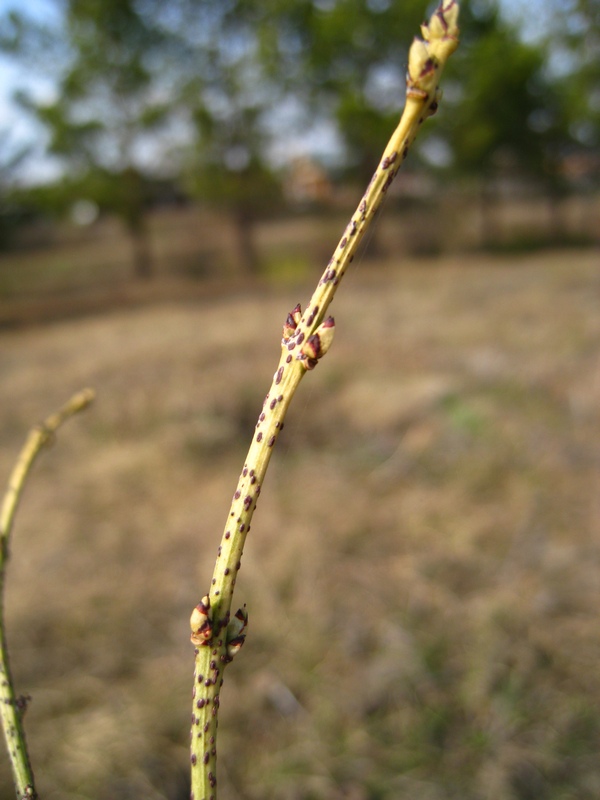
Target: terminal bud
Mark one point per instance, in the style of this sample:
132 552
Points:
426 58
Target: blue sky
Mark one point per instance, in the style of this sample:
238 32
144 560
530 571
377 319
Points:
12 121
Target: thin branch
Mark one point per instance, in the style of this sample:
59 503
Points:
306 338
12 707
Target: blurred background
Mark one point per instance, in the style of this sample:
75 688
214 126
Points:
422 576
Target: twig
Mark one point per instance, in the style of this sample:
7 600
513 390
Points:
12 708
306 338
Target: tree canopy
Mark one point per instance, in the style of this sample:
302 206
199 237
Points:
199 90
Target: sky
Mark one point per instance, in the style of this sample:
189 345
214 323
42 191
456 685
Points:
15 127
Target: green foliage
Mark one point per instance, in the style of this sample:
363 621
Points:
506 112
105 106
345 60
574 38
250 189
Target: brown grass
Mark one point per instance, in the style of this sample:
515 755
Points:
422 575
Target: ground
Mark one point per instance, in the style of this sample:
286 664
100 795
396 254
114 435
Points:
422 575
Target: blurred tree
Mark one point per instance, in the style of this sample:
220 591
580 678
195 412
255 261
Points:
136 69
214 76
229 97
503 108
573 40
109 104
12 156
228 174
346 60
506 118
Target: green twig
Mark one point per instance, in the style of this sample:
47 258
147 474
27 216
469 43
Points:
306 337
12 708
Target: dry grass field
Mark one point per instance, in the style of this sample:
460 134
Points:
423 572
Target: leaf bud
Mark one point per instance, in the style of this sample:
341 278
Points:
289 326
291 323
325 332
312 347
443 30
297 313
200 622
418 56
237 624
317 343
234 646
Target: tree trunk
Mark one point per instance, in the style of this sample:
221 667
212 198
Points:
142 258
556 219
246 246
133 213
488 213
